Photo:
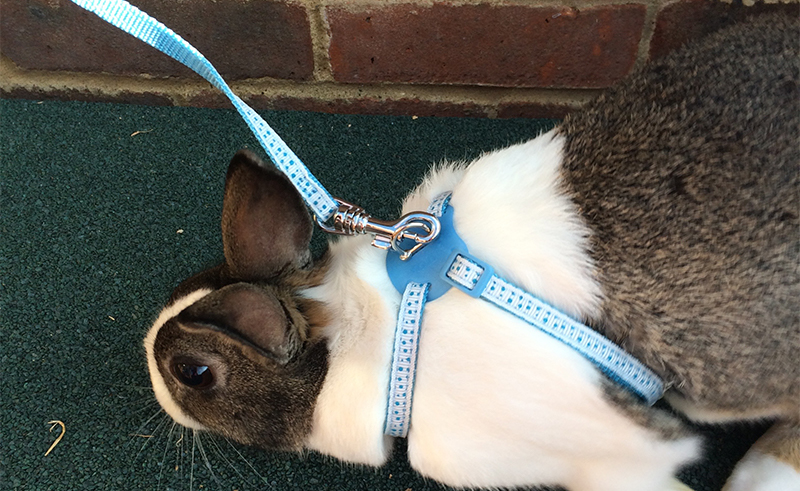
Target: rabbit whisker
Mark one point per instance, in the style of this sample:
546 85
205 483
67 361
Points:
191 464
180 446
146 405
164 455
222 455
205 459
142 426
155 431
262 478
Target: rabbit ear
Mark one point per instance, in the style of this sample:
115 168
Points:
265 225
247 312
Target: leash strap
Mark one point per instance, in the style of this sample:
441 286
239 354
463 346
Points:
130 19
479 280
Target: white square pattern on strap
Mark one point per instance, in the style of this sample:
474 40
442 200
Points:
464 272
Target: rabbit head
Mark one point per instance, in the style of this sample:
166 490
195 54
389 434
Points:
233 352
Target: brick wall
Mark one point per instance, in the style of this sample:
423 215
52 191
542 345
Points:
495 58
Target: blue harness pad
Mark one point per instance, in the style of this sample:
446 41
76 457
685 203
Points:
429 263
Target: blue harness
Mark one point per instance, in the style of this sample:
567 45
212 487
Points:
446 263
430 259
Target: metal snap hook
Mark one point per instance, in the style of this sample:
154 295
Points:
407 235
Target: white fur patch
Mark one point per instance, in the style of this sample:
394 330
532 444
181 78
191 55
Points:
498 403
760 472
159 386
349 413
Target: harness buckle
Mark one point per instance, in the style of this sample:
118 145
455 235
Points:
406 235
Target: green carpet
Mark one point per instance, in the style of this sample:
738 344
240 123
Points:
104 208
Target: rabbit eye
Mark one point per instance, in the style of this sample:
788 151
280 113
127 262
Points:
195 376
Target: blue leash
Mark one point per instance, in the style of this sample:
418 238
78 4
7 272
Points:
333 215
130 19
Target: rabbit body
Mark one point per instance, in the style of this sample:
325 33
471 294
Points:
664 215
496 402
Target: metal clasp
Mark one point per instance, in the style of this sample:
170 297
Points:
407 235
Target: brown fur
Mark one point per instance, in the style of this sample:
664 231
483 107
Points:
315 313
657 419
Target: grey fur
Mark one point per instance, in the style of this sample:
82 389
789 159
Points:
687 175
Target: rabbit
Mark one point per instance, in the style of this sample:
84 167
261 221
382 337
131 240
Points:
664 215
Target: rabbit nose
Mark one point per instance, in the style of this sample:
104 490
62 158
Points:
194 376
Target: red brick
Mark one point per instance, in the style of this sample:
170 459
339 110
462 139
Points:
242 39
507 46
681 22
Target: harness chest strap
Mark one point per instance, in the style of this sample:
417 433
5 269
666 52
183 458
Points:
404 359
457 268
479 281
